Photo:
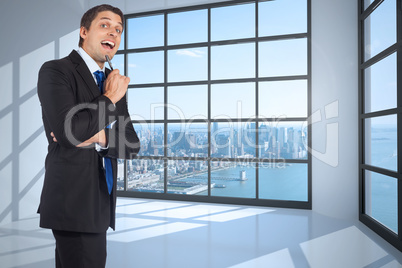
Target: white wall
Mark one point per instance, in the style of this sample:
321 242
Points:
36 31
32 32
335 97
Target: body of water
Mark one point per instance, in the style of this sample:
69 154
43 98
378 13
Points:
381 190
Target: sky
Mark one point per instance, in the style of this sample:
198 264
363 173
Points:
275 59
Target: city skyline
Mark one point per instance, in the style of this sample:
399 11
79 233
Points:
192 140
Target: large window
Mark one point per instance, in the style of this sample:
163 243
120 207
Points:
380 110
220 98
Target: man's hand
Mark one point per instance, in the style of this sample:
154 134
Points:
54 138
99 138
116 86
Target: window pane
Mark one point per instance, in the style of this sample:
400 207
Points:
233 100
219 90
188 27
188 140
120 175
233 61
283 140
233 22
145 103
283 58
188 64
145 175
188 102
151 139
381 142
233 179
380 29
118 63
273 21
281 181
145 32
233 140
146 67
380 85
382 199
282 99
188 177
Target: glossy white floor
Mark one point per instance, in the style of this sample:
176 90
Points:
153 233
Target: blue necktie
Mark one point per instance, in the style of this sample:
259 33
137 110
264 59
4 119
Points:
100 78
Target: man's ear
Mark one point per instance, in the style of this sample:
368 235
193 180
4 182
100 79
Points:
83 32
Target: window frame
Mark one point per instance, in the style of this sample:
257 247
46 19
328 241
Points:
393 238
208 198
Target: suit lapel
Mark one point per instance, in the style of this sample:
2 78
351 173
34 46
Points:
84 72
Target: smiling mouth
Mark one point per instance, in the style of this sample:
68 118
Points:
108 44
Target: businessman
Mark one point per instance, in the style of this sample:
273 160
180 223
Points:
87 125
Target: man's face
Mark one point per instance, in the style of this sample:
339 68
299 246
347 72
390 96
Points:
103 37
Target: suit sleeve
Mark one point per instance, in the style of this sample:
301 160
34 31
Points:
122 138
70 121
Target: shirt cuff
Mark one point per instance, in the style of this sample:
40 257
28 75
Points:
100 148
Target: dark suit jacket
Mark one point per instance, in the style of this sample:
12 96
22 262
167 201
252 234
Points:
74 195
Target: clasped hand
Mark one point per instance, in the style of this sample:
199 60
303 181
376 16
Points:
116 86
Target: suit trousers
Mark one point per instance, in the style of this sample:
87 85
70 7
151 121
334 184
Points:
80 250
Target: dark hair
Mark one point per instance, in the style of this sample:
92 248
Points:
91 14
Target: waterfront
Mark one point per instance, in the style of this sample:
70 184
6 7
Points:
278 182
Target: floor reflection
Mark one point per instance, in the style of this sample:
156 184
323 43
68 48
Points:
154 233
